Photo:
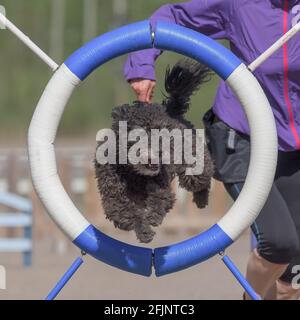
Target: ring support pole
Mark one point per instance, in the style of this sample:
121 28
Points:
46 119
240 278
28 42
65 279
275 47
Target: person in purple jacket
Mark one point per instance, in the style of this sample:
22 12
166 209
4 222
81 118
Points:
251 27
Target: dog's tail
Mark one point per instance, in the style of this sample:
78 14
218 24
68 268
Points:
181 82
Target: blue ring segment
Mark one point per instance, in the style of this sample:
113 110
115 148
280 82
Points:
113 44
190 43
115 253
197 46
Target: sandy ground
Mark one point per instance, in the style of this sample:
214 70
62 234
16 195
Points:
210 280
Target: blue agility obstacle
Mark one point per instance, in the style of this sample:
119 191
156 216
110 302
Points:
51 106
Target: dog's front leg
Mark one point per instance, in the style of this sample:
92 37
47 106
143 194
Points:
116 203
199 184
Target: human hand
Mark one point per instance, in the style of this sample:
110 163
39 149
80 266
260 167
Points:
144 89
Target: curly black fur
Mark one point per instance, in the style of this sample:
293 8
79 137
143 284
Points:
181 82
138 197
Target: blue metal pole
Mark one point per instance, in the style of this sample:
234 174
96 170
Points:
65 279
240 278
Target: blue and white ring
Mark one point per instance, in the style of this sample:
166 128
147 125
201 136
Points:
43 129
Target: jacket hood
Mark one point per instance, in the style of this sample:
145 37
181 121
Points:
280 3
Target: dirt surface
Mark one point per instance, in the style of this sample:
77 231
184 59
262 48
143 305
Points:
210 280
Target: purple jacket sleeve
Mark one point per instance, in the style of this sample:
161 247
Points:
207 16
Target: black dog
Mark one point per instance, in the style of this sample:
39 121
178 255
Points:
138 197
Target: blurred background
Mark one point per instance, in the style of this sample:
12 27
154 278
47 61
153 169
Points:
59 27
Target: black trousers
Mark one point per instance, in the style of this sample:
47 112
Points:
277 229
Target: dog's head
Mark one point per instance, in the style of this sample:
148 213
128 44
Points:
133 126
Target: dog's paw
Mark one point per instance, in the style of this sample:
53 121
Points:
201 198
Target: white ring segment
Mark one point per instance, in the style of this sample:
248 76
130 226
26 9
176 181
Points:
264 153
41 138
